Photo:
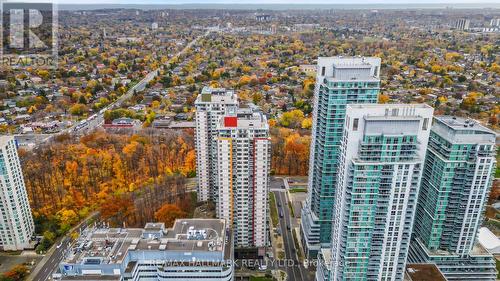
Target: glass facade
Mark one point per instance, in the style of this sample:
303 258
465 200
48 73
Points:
455 186
380 196
381 158
332 96
330 125
16 222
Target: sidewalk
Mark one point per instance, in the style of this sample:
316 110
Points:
276 241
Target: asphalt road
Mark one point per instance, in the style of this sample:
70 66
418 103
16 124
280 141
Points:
49 264
276 184
52 264
297 272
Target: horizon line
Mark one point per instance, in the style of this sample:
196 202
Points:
445 4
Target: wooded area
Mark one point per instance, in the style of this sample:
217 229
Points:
126 177
290 151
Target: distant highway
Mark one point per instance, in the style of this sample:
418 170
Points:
97 119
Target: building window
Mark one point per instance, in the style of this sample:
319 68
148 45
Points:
355 124
426 124
323 71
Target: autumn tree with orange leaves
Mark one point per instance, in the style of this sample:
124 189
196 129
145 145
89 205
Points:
168 213
17 273
290 151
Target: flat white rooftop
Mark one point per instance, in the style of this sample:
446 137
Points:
463 131
5 139
464 124
216 95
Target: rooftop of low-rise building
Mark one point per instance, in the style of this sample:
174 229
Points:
477 250
327 257
92 278
489 240
423 272
103 245
124 120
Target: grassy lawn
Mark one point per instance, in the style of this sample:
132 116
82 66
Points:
194 200
290 206
491 212
274 210
493 225
281 255
297 190
253 278
296 242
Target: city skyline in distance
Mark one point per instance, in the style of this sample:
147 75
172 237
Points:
278 2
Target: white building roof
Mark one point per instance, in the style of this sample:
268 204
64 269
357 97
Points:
461 130
349 68
489 240
216 95
4 140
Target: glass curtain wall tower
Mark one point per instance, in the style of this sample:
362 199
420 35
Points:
340 81
382 155
457 179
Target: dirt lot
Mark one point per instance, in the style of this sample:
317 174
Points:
7 260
